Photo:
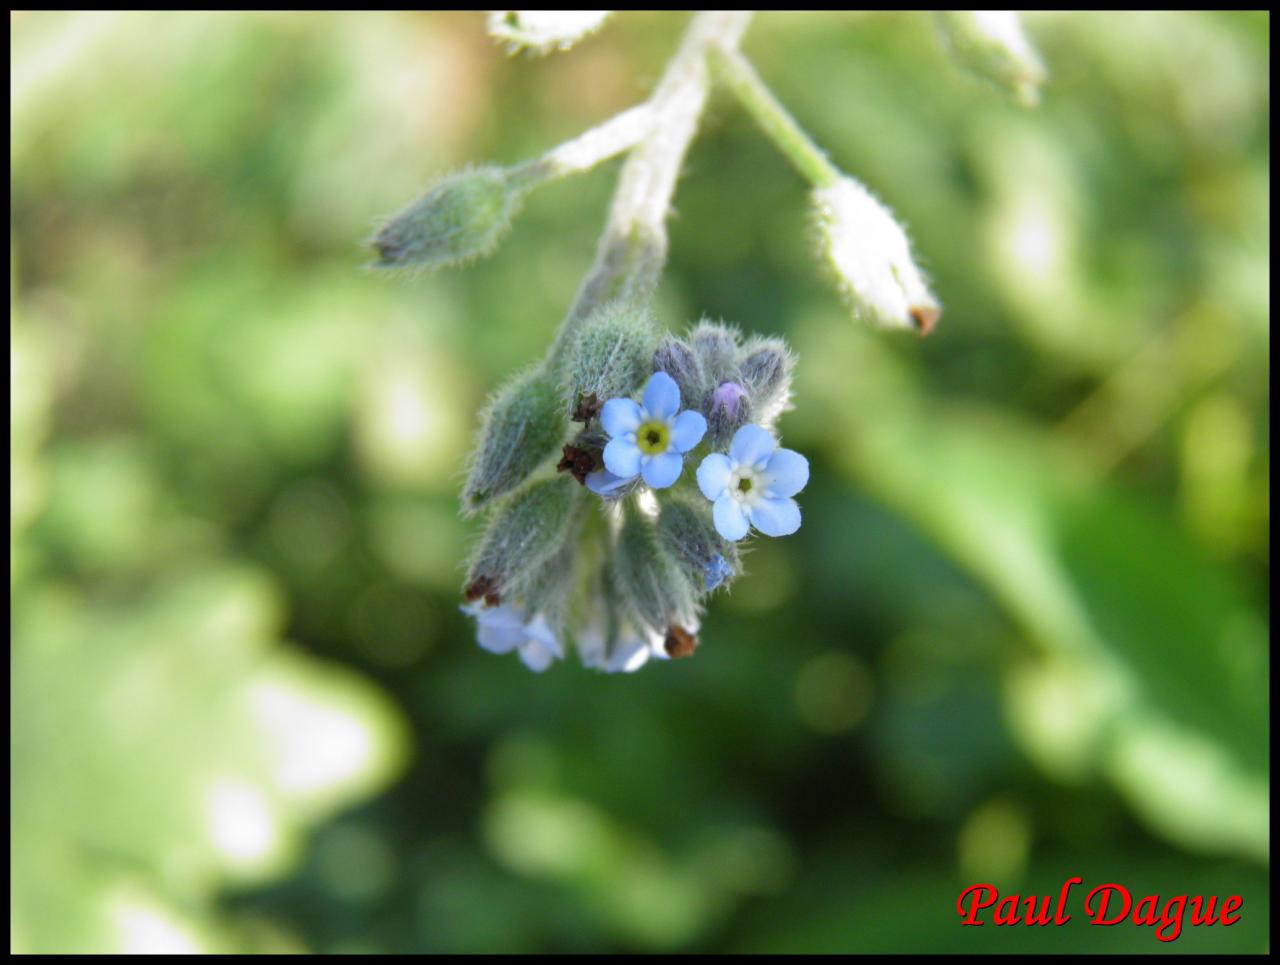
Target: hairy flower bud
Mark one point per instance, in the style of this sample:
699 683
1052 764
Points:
657 591
609 359
872 260
678 360
717 348
610 640
766 365
991 43
459 219
523 426
526 533
686 531
543 31
728 409
548 591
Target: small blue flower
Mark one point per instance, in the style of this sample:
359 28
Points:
753 485
627 652
505 628
650 439
716 572
604 483
613 643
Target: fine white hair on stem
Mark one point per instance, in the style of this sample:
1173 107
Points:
868 251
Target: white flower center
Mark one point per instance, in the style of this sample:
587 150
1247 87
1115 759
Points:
746 487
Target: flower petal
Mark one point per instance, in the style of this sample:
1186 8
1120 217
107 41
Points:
539 631
661 396
786 473
499 639
504 617
662 470
751 446
687 430
729 519
620 416
716 572
591 647
536 656
628 656
658 646
776 517
713 475
604 483
622 458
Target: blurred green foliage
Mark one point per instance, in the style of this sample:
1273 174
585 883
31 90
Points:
1023 634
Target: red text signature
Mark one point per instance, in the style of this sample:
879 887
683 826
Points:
1107 904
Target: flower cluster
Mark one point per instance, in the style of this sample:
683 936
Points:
595 533
672 438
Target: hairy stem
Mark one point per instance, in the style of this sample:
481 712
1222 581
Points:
736 73
620 133
633 247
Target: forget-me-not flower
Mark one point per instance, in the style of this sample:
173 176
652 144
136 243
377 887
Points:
604 483
649 439
627 646
753 485
716 572
629 650
504 628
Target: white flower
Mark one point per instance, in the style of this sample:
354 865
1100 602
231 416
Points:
504 628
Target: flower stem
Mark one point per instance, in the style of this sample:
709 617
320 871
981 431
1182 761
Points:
620 133
737 74
633 248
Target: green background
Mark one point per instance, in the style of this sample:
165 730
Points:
1022 635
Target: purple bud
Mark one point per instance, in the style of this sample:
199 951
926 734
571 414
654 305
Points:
729 396
728 409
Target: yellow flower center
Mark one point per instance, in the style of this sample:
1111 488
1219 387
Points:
653 438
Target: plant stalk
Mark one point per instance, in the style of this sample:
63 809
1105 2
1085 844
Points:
633 247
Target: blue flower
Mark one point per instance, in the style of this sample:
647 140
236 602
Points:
505 628
650 439
717 571
604 483
613 643
753 485
627 652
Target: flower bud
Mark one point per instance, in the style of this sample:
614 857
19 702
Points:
685 530
610 640
871 257
991 43
609 358
460 219
656 589
526 533
543 31
728 409
766 372
548 591
678 360
717 348
522 426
